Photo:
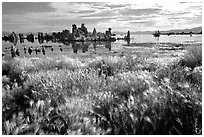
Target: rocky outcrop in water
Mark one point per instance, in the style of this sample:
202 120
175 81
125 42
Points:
84 29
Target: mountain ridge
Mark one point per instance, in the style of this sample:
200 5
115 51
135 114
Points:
194 29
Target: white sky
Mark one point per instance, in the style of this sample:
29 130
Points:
139 15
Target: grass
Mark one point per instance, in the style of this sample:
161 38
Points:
193 57
65 96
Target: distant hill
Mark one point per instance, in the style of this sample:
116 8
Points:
136 32
195 30
143 32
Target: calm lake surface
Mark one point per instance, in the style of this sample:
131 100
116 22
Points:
86 45
166 39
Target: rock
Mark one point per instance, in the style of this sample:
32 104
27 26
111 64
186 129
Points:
84 29
94 32
74 27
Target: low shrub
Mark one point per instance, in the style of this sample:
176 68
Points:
193 57
65 96
69 83
14 73
155 111
15 100
179 76
42 118
48 63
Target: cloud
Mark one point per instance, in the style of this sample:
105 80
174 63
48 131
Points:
115 6
84 11
69 22
176 13
182 2
144 23
138 15
69 7
24 7
102 13
139 12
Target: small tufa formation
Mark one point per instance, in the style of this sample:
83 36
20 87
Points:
84 29
74 27
15 38
157 34
108 32
94 32
30 38
12 38
79 32
21 37
128 35
40 37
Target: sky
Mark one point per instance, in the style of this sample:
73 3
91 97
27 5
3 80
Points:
139 15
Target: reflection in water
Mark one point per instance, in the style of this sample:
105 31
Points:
30 50
31 45
108 45
15 41
43 50
66 42
21 40
60 46
30 38
75 47
128 42
41 41
10 43
84 47
94 45
40 37
21 37
24 50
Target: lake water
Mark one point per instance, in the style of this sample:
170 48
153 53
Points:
166 39
84 46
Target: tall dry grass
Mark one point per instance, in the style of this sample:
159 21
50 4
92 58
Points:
65 96
193 57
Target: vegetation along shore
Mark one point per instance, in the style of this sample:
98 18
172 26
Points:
141 88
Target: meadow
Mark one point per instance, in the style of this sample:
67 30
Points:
136 90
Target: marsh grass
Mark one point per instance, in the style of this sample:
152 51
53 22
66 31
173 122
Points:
48 63
152 109
193 57
66 96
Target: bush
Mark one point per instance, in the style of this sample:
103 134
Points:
117 64
39 118
193 57
73 99
48 63
114 63
16 75
15 100
42 118
178 76
69 83
154 110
